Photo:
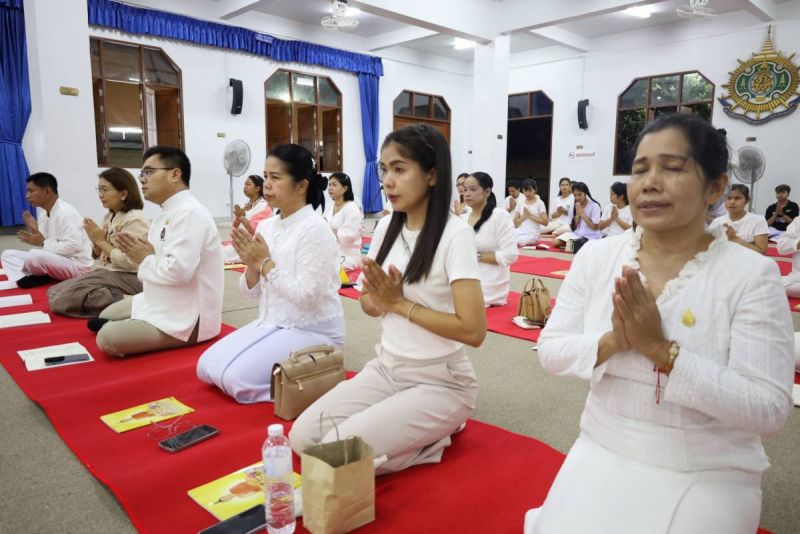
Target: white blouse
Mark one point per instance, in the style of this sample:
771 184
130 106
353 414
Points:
455 259
746 228
568 203
64 234
302 288
614 228
731 383
346 224
787 243
496 235
528 228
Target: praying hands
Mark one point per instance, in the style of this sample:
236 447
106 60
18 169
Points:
137 249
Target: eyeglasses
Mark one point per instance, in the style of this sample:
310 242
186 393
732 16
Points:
102 190
147 172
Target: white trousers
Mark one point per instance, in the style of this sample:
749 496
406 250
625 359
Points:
555 228
600 492
19 263
405 409
791 282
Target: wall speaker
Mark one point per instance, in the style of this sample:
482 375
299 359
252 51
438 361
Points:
583 124
236 102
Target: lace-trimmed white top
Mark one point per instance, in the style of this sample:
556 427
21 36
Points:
731 383
302 288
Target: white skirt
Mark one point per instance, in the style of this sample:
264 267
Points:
597 492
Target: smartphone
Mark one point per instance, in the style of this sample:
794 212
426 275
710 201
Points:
251 520
187 439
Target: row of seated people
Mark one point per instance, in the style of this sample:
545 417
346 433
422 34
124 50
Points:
683 385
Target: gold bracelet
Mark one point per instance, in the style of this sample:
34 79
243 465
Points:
674 350
408 313
263 263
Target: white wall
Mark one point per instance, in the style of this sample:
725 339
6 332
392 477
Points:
602 76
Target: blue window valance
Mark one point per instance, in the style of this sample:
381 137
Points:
142 21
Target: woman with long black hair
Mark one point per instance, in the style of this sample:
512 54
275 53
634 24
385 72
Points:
421 278
586 219
494 237
345 219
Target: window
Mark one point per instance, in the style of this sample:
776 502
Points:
647 98
137 101
411 107
307 110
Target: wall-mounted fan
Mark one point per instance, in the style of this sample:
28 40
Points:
696 9
236 161
749 169
339 19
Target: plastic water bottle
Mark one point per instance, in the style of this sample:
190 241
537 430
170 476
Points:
279 491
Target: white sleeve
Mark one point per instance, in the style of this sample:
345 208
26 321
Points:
72 240
349 232
563 348
503 226
789 241
626 215
181 253
760 225
461 256
717 222
752 390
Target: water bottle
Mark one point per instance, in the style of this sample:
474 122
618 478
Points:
279 492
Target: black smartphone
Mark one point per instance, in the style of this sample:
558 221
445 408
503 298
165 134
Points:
251 520
187 439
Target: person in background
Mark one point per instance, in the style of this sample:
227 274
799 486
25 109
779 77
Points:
530 216
114 273
616 216
345 219
510 203
687 345
459 207
789 243
586 221
62 248
742 227
781 214
249 215
180 267
562 209
421 278
292 268
494 237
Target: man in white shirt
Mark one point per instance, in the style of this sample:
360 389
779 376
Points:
65 252
181 268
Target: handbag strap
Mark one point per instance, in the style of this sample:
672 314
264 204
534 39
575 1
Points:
528 286
327 349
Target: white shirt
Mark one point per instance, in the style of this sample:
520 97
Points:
528 228
731 383
184 280
787 243
614 228
257 206
496 235
302 288
347 225
455 259
746 228
567 203
64 234
507 202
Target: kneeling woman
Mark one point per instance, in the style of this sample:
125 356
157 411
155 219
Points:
345 219
292 266
494 237
421 278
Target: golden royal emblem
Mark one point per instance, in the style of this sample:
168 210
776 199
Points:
764 87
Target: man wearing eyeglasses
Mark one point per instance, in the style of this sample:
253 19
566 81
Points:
180 267
65 252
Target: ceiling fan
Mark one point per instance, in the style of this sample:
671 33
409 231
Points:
339 20
696 9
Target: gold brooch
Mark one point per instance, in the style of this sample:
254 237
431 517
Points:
688 318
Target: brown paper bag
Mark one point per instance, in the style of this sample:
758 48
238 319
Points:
338 486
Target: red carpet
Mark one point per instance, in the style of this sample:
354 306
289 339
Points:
773 252
548 267
498 320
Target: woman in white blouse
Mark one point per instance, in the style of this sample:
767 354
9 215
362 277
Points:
689 360
561 209
740 226
253 212
292 267
529 216
494 237
345 219
616 216
421 278
789 243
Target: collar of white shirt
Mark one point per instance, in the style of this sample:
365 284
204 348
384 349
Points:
176 199
297 217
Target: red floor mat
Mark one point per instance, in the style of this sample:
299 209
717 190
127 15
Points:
548 267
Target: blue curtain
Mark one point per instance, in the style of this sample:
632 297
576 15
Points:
15 108
143 21
368 90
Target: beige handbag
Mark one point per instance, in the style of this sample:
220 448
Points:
304 377
534 303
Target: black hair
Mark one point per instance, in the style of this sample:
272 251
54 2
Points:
172 157
460 176
429 149
564 179
485 182
514 184
583 188
621 190
529 184
741 189
783 188
300 165
707 145
45 180
343 180
258 181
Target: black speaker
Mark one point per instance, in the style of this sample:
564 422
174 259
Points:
582 105
236 102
